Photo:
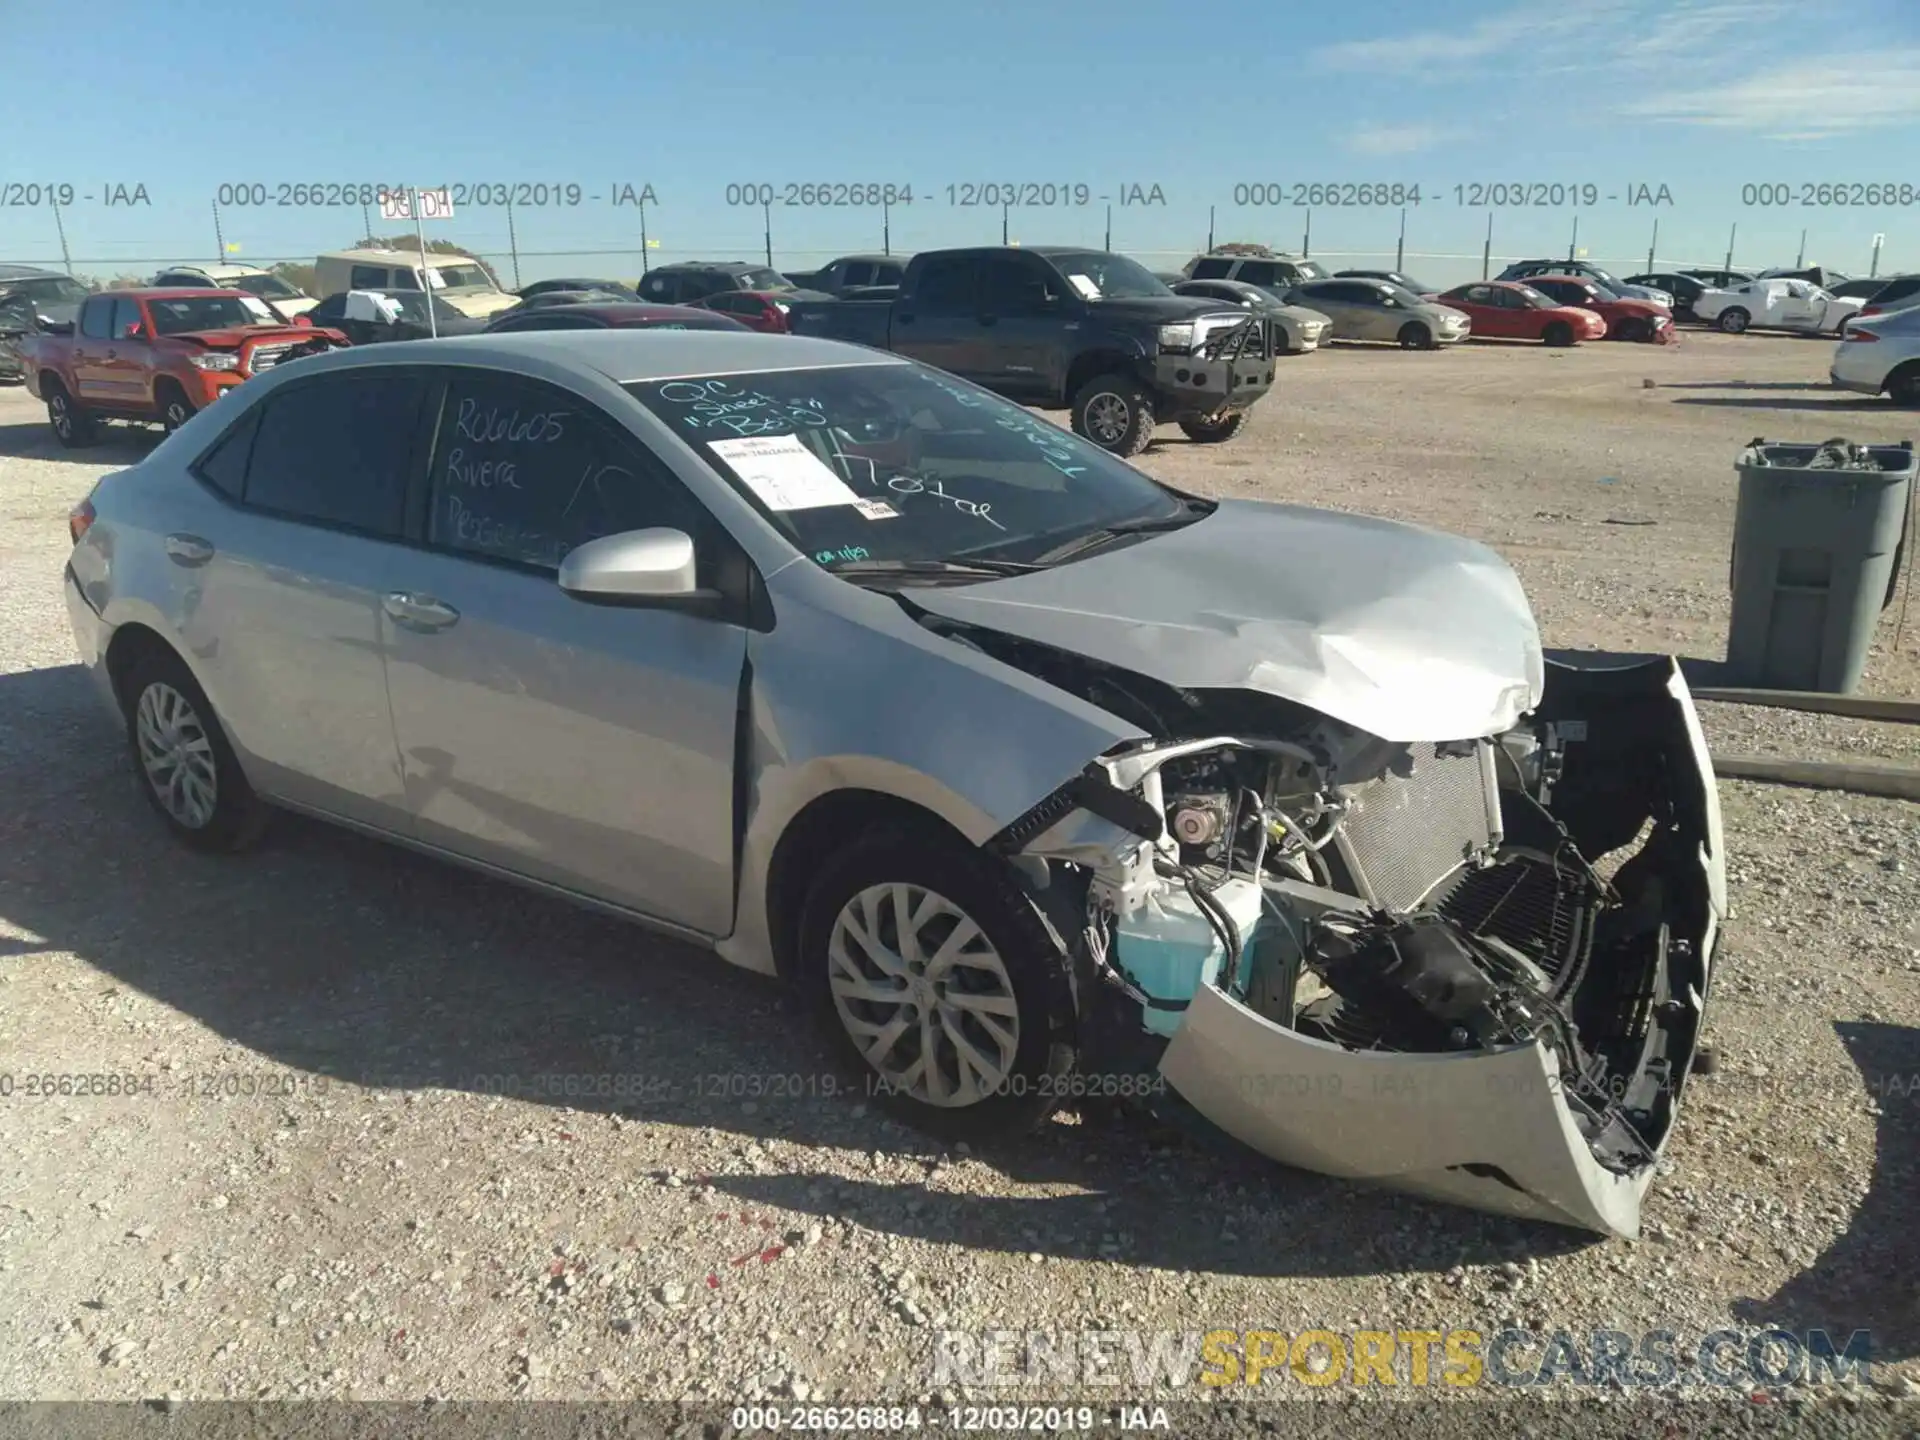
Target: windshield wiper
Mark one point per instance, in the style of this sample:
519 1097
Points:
958 569
1141 525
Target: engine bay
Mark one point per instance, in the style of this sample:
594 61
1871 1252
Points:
1398 898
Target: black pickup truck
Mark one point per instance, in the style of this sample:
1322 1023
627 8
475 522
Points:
1063 328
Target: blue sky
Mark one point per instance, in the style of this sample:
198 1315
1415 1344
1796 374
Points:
1700 96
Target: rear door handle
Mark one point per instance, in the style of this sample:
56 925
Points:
418 612
188 550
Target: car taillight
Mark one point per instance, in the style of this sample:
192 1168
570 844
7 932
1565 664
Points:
79 520
1870 310
1862 337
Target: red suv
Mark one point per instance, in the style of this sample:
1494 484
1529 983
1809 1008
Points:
764 310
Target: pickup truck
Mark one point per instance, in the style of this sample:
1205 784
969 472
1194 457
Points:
157 356
1057 327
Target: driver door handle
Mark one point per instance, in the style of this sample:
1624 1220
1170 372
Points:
418 612
189 550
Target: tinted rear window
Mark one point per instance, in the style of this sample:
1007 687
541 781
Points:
335 450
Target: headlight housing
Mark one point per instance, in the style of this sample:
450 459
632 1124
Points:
1176 337
216 361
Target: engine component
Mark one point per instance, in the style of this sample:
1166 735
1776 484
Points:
1199 820
1421 983
1169 948
1410 832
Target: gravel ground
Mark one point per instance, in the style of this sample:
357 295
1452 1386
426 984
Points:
319 1197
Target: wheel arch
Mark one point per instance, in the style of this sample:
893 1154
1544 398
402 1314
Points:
807 842
1090 363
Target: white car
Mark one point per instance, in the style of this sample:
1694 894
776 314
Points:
1881 356
1775 305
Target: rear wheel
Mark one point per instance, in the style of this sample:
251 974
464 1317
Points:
175 408
1114 412
1558 333
1415 336
1734 321
73 425
1215 432
187 769
938 984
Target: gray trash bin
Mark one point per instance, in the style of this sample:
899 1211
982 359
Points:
1816 548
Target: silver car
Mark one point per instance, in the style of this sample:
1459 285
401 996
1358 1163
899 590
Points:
1379 310
1037 777
1881 356
1301 330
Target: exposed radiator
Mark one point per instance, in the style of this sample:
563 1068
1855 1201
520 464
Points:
1408 838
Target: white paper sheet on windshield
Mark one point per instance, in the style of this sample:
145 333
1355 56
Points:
1085 286
257 308
783 472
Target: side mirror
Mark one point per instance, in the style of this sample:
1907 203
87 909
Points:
636 564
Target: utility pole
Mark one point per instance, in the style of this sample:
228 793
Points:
1210 229
1400 250
643 237
426 271
886 226
1306 240
219 240
1801 258
1107 244
1005 209
1732 231
766 216
1573 244
1873 265
1653 244
1486 250
366 221
513 245
66 255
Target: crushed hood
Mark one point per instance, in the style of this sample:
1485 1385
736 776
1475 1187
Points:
1406 633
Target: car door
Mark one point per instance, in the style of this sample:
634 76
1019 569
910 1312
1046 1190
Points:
936 323
129 357
1018 308
92 331
277 578
1483 306
1328 298
587 746
1802 306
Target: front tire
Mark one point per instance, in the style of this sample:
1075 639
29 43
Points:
72 425
175 408
1215 432
1734 321
1903 385
1416 336
937 983
1115 412
1558 334
187 770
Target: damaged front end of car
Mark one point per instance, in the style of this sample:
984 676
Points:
1472 969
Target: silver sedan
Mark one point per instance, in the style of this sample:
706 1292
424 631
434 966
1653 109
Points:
1035 776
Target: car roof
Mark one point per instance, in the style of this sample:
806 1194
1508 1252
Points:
1534 280
172 292
620 355
25 272
405 257
873 257
212 272
711 265
627 312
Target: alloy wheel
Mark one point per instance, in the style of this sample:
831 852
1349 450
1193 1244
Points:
177 755
1108 417
61 414
924 995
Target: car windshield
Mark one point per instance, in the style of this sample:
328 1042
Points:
413 307
211 312
461 277
1097 275
267 287
1533 297
53 290
1312 270
1402 294
901 463
764 279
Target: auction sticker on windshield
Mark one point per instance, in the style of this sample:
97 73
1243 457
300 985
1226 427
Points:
1085 286
783 472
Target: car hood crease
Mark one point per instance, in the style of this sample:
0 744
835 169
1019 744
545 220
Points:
1406 633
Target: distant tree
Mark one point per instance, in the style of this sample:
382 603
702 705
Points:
298 275
434 247
129 282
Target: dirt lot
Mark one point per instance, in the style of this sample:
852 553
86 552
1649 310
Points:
317 1195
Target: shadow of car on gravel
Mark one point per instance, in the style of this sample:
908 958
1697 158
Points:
343 957
1829 405
33 439
1869 1277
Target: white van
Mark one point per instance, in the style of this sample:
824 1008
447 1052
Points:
460 280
